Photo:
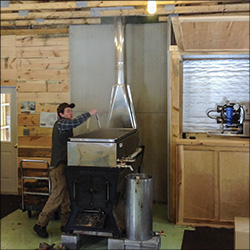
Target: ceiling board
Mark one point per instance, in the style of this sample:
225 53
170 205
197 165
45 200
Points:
212 33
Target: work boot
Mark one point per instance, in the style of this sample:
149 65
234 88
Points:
45 246
41 231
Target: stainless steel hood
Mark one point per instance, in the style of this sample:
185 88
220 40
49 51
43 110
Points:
121 110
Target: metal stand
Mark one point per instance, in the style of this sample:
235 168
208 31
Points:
73 242
31 190
153 243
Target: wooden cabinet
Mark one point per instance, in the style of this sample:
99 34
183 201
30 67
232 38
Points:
212 182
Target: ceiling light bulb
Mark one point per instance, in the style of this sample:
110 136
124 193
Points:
151 6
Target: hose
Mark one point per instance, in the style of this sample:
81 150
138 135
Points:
210 112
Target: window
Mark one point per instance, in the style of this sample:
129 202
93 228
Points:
208 82
5 117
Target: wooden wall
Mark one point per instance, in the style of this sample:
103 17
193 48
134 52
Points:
38 65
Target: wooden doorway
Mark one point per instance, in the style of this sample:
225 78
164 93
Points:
9 169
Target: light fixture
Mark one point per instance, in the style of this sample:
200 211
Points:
151 6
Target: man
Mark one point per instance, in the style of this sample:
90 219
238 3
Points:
59 197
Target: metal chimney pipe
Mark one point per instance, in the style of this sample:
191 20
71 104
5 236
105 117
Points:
120 50
121 110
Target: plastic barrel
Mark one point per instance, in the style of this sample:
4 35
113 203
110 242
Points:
139 207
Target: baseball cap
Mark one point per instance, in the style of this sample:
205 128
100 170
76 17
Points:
62 106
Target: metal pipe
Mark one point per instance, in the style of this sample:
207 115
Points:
139 203
120 51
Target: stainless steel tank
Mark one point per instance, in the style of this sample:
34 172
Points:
139 207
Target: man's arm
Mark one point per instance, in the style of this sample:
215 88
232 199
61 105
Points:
67 124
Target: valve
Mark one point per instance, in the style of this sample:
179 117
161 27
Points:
162 233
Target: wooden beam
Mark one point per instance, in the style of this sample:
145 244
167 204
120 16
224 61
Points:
177 32
51 22
74 14
48 14
89 4
46 31
212 8
214 19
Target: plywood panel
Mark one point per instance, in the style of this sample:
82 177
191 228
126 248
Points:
215 35
234 185
213 182
212 33
199 179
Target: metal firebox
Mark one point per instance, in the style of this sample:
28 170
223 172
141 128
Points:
98 163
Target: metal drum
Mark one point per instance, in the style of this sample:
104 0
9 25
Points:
139 207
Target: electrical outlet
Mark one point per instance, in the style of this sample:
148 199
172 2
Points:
26 132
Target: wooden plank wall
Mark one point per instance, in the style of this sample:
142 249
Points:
38 65
8 60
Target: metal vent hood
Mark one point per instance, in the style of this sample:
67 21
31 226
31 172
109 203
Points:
121 109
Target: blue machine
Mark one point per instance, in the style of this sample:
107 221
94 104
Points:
234 118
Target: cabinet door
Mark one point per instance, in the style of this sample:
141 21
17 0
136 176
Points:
197 188
234 185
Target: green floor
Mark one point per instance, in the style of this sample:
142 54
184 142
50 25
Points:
17 233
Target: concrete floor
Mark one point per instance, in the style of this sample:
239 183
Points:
17 233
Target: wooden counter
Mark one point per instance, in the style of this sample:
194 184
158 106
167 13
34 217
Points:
212 180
